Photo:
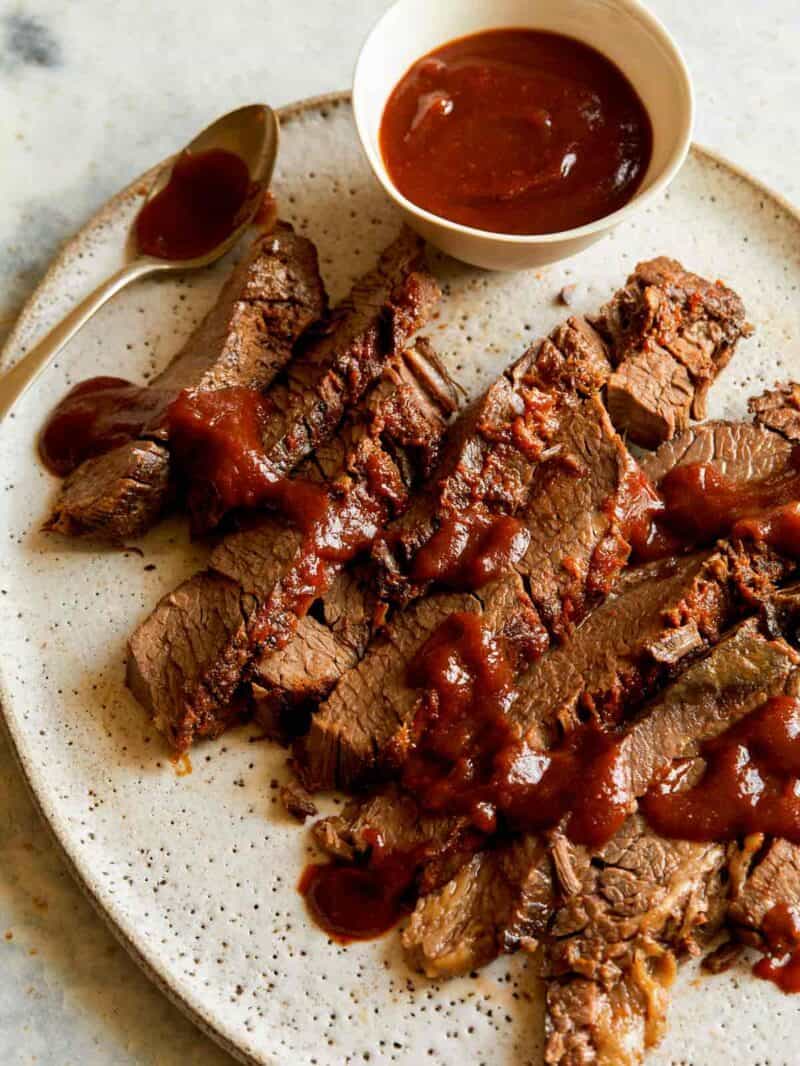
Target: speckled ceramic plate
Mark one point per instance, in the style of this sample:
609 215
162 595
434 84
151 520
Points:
197 874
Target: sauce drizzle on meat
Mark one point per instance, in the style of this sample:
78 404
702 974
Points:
467 758
516 131
696 504
749 783
469 550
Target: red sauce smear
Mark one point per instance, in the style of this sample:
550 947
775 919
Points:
781 964
749 785
697 503
469 550
208 196
94 417
217 439
516 131
466 756
360 901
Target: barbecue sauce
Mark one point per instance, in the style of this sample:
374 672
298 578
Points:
217 437
516 131
749 785
95 417
208 196
466 757
361 900
469 550
697 503
781 962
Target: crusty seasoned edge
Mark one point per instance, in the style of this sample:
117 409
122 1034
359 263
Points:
670 333
271 297
171 651
779 409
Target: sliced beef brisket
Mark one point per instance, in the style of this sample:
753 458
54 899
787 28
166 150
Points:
497 900
671 333
630 910
779 409
271 297
326 644
578 501
773 878
376 321
740 450
614 942
362 724
713 693
394 431
659 616
575 518
494 447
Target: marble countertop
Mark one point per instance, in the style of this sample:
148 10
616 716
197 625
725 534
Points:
91 94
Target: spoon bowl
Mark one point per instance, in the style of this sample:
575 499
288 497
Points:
250 133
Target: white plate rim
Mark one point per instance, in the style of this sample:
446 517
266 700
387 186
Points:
25 319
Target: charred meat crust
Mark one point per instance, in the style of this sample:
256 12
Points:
671 332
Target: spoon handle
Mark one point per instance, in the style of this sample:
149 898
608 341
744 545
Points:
27 369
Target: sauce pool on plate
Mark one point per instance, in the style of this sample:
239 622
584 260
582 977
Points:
516 131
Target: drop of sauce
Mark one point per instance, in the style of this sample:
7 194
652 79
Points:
516 131
208 196
781 962
95 417
469 550
357 902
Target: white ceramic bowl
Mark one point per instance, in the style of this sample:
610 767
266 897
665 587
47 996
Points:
623 30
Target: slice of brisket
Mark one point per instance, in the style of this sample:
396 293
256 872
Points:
390 820
493 449
671 333
396 430
361 727
773 878
270 298
659 615
779 409
376 321
578 501
326 644
498 900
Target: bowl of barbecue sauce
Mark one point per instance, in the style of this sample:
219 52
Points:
514 133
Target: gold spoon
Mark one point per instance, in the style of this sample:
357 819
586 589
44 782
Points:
251 133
